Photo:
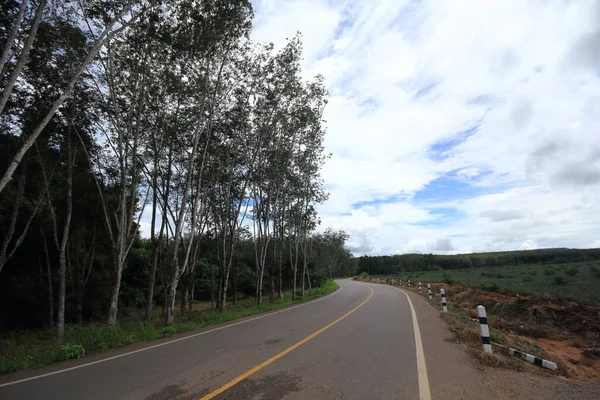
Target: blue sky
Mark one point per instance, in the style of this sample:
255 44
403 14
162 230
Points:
454 126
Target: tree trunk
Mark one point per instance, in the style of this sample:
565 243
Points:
294 289
280 267
170 304
235 279
223 290
151 283
212 285
14 75
156 242
191 303
62 264
303 282
306 266
10 41
259 290
79 308
184 299
13 220
272 291
113 308
50 294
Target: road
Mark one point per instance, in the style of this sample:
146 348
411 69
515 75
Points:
358 343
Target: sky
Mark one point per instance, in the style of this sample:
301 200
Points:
454 126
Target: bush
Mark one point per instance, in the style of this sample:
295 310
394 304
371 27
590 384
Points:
572 271
559 280
168 330
595 272
494 287
69 351
497 337
448 279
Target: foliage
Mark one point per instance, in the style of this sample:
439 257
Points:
70 351
572 271
379 265
559 280
447 278
522 279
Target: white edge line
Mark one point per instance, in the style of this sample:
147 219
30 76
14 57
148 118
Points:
424 390
169 342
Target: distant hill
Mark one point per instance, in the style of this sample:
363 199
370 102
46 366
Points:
419 262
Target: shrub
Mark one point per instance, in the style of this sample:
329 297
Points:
559 280
494 287
572 271
550 272
168 330
595 272
69 351
448 279
497 337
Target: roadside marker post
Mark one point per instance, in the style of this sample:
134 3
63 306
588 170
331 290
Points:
409 283
429 290
444 305
419 287
533 359
484 329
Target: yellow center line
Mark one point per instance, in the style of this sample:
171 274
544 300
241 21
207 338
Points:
260 366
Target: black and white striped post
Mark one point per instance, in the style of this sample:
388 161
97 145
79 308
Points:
409 283
540 362
429 290
399 282
484 329
444 305
419 287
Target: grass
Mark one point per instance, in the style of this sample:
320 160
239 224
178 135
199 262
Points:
28 349
574 281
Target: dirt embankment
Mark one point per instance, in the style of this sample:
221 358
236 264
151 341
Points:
563 331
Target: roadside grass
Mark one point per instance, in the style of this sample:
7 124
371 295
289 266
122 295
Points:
573 281
27 349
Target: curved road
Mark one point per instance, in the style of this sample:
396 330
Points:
358 343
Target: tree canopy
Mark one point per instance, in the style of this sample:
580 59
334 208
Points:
150 153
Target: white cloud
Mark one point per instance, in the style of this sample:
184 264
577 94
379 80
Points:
529 245
406 76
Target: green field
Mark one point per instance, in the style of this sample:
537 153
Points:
576 281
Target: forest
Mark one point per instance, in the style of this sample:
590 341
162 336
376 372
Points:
153 155
393 264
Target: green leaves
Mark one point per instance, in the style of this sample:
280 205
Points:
69 351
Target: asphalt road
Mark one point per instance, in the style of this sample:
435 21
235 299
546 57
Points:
358 343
